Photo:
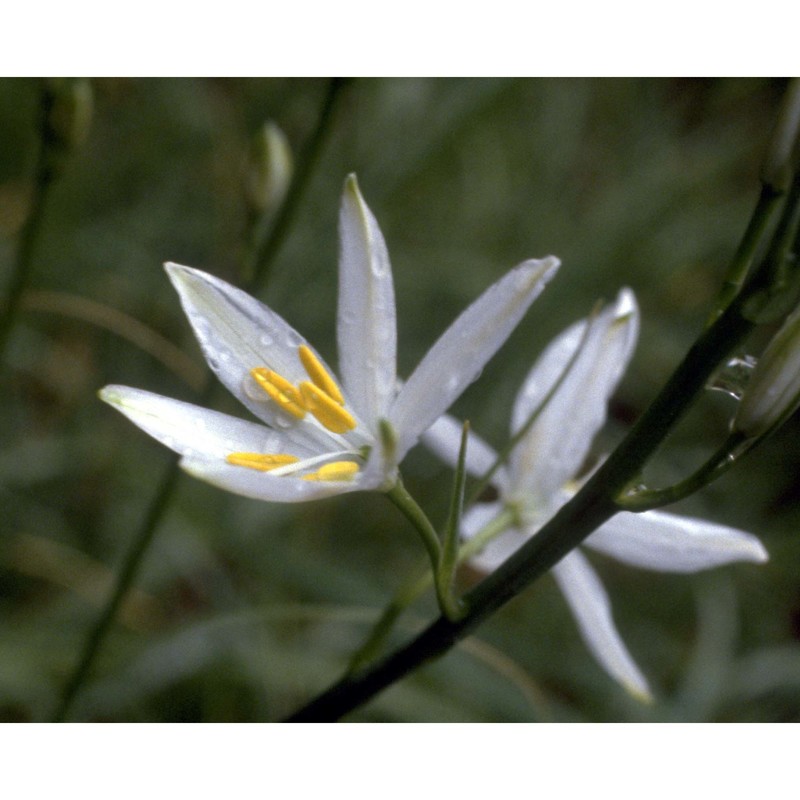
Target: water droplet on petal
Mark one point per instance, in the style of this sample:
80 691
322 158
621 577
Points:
266 339
252 390
284 421
293 339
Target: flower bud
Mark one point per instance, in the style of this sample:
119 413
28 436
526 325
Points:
269 170
773 391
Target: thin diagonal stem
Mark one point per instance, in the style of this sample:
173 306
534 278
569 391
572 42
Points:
125 578
158 506
44 178
261 259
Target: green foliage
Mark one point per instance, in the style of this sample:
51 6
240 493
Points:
244 610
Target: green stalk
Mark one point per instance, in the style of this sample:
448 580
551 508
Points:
645 499
777 168
413 589
125 578
43 180
448 562
262 256
417 517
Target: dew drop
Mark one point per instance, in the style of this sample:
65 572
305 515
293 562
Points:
266 339
733 377
284 421
293 339
253 390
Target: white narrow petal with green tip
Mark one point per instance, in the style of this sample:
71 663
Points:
462 351
594 354
192 430
591 608
366 319
671 543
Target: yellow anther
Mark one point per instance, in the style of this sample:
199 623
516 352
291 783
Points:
261 461
335 471
280 390
335 418
319 375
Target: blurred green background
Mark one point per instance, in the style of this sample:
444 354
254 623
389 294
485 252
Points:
244 610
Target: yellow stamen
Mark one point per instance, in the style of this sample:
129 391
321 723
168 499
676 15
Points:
261 461
280 390
319 375
335 418
335 471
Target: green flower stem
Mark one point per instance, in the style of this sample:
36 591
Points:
637 500
259 274
413 589
593 505
448 561
380 631
44 178
261 256
768 201
125 578
779 266
780 162
417 517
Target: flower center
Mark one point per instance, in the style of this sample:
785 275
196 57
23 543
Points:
320 397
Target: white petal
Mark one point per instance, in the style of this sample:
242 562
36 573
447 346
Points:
499 548
591 608
192 430
366 327
461 352
559 440
671 543
262 485
238 333
443 438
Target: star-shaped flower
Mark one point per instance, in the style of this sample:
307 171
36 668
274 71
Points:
570 386
322 436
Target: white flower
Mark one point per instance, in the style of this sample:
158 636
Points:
319 439
541 476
